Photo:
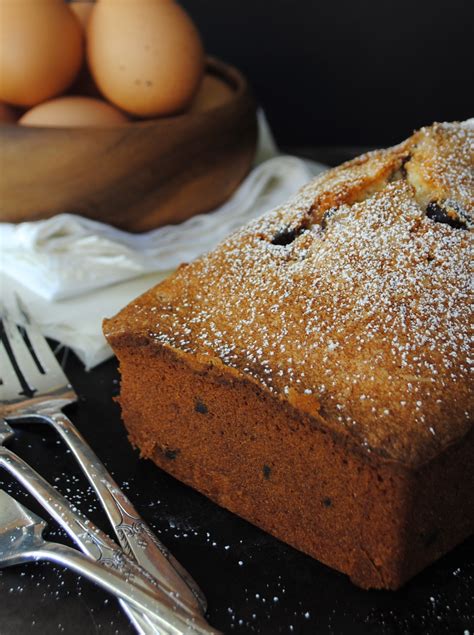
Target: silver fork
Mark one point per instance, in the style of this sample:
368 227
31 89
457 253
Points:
96 544
21 541
50 392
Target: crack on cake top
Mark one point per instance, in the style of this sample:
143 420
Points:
373 321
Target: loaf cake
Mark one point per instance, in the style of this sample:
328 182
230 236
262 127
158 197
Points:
311 373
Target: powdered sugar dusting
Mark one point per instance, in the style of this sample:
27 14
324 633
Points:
351 296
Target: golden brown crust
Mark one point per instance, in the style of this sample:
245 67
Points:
351 302
311 373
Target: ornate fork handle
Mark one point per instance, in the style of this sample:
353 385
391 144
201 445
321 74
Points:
135 537
91 540
114 583
101 548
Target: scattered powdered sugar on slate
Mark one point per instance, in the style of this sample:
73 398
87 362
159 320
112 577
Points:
358 311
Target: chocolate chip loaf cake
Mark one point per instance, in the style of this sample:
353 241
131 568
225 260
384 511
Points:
311 373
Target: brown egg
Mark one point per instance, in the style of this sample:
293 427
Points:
82 9
212 93
7 114
41 50
146 56
73 111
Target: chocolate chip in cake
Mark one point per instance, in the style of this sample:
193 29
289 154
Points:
171 454
267 470
454 218
201 407
327 502
284 237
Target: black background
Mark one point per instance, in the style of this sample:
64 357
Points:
347 72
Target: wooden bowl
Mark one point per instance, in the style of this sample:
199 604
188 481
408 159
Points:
135 177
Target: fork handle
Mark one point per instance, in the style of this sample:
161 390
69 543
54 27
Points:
89 538
135 537
175 623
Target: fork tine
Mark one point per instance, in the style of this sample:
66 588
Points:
41 347
10 387
32 375
19 349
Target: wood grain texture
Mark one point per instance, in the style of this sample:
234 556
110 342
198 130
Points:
135 177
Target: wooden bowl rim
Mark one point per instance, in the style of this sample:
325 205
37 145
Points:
230 74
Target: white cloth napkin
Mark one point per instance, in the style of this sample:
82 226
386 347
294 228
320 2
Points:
72 272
